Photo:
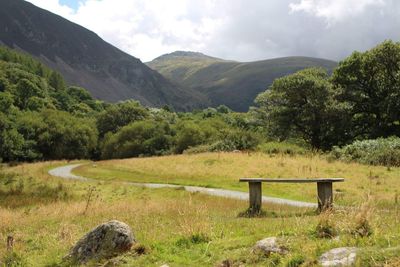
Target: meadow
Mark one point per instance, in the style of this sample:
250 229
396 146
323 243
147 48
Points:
47 215
223 170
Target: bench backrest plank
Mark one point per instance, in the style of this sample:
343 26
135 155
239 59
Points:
293 180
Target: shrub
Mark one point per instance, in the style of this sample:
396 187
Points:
196 238
326 227
142 138
119 115
13 259
381 151
188 135
228 140
281 148
362 226
237 139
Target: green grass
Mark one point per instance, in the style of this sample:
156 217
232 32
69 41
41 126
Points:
223 170
189 229
274 147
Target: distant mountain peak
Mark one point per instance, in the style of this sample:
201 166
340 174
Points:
231 83
185 54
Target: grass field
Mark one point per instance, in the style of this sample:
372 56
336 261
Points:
47 216
223 170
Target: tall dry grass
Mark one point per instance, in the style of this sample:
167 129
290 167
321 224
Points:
191 229
224 169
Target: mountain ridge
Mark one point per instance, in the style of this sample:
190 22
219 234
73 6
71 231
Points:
231 83
84 59
189 54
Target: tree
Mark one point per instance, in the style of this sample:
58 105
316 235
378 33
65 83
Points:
79 94
369 82
26 89
223 109
35 103
4 85
56 81
65 136
303 104
11 142
117 116
6 102
188 135
138 138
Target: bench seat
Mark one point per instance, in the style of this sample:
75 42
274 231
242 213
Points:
324 190
292 180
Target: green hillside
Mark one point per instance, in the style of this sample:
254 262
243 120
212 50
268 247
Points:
85 60
231 83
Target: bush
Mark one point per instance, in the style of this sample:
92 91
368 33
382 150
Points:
381 151
362 226
326 227
188 135
237 139
143 138
228 140
13 259
281 148
194 239
119 115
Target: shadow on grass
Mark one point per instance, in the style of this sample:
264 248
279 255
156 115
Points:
249 213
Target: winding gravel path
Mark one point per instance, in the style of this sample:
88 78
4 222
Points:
65 172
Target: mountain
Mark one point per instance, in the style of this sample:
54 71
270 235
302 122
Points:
231 83
85 60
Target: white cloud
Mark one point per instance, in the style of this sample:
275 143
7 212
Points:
148 28
334 10
240 29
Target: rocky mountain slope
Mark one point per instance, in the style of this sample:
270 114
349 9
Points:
84 59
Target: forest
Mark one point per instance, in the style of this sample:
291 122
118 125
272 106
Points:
351 114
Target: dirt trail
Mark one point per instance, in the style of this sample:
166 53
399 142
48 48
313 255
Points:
65 172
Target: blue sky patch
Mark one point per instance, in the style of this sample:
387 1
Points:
70 3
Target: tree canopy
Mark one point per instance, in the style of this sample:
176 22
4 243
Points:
304 104
369 83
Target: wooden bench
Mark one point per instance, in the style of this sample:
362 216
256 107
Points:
324 189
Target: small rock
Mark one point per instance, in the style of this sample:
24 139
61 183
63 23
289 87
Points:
105 241
270 245
225 263
345 256
164 265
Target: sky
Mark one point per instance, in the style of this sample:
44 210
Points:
243 30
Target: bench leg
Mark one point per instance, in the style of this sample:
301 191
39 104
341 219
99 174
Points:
325 196
255 195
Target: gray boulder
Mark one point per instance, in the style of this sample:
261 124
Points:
105 241
345 256
270 245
